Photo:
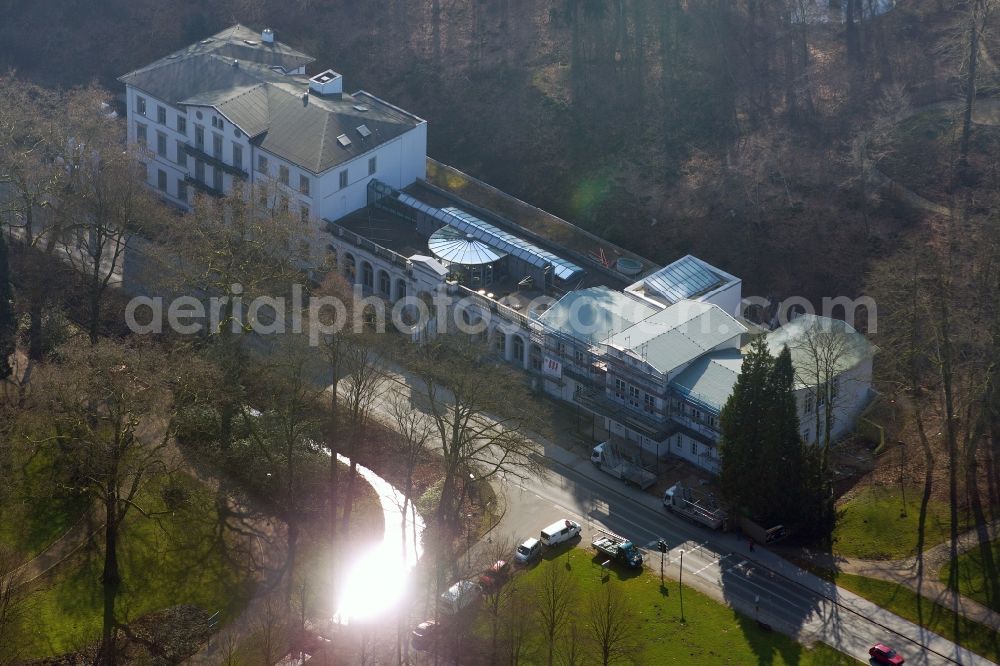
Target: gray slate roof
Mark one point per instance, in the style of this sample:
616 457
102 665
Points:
711 378
239 81
677 335
591 315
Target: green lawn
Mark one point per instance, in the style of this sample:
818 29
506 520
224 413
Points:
176 558
903 602
872 525
712 633
34 508
972 577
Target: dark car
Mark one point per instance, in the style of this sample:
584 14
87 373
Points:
424 635
495 576
883 654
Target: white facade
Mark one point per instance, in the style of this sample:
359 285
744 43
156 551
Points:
852 392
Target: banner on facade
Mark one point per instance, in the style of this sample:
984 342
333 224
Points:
552 367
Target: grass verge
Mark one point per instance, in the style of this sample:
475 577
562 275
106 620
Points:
712 632
972 577
876 524
179 557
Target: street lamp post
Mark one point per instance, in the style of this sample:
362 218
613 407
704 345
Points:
468 540
680 583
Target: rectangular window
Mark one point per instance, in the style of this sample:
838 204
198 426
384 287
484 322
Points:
182 157
199 171
182 190
372 165
140 134
304 213
161 115
199 137
808 407
633 396
304 184
217 146
140 105
182 125
283 204
283 174
262 163
237 156
343 179
619 389
161 144
161 180
694 447
217 178
650 404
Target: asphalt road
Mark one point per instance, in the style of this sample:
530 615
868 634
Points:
758 584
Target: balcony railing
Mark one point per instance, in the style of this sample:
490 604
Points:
368 246
215 162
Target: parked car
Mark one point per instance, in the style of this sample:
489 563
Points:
495 576
528 551
558 532
424 635
459 596
883 654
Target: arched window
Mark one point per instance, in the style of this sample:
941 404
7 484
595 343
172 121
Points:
384 284
350 268
367 275
518 343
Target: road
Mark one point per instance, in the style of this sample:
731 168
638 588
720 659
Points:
786 597
759 584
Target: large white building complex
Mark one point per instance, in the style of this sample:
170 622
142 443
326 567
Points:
650 353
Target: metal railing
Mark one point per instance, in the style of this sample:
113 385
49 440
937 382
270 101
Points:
367 245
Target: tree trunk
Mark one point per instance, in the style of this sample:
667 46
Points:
110 583
970 85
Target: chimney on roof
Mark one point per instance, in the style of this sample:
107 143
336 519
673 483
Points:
327 83
267 36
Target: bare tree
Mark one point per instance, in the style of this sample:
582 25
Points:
483 416
285 433
233 248
498 595
34 178
365 382
555 599
613 626
107 200
825 352
516 623
98 398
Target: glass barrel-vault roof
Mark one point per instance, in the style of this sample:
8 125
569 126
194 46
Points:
496 238
455 247
685 278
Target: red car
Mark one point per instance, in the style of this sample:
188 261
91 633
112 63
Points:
496 575
883 654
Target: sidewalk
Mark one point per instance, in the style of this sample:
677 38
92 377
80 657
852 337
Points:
929 586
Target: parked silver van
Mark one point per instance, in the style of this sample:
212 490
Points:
558 532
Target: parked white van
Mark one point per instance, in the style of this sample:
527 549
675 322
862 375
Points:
558 532
459 596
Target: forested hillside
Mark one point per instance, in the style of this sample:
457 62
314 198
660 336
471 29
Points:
728 128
